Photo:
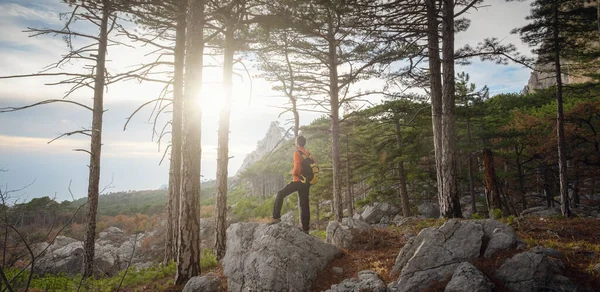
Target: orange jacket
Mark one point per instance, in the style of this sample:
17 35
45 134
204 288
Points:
297 170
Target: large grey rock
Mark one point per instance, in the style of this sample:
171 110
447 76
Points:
435 253
207 283
356 223
547 251
366 281
499 237
429 210
289 218
467 278
339 235
542 211
111 232
373 214
529 271
66 259
262 257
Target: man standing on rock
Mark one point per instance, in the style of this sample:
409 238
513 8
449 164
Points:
299 183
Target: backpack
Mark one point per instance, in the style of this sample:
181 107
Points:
310 169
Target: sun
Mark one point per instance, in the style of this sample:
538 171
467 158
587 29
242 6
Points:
212 95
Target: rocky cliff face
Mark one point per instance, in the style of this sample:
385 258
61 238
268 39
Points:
544 77
273 139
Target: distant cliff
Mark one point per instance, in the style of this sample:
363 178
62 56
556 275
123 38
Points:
544 77
273 138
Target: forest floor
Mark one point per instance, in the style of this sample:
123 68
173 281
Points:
578 240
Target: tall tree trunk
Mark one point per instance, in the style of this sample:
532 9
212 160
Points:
175 167
435 84
449 201
471 172
576 190
338 208
350 198
521 178
401 172
96 146
560 127
223 147
548 188
188 251
493 193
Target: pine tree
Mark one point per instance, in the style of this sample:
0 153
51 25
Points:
562 31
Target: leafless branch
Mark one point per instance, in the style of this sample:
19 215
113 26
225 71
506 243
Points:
83 132
12 109
140 107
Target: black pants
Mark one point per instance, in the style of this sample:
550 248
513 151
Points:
302 189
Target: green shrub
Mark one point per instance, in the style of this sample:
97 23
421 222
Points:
322 234
497 213
476 216
63 282
208 259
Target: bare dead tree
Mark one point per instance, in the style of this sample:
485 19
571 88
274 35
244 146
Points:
101 14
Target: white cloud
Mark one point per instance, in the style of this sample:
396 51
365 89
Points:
37 144
29 13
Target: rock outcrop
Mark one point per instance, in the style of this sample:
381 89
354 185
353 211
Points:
273 138
435 253
113 252
208 283
467 278
342 234
534 271
366 281
379 213
277 257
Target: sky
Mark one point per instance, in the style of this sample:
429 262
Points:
130 159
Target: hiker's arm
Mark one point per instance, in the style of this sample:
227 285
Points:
297 170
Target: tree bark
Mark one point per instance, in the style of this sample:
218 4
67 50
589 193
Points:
335 124
350 198
175 167
96 146
490 182
449 201
471 172
435 84
223 147
521 178
188 251
401 173
560 127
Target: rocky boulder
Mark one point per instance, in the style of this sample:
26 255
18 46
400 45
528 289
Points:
342 234
467 278
289 218
277 257
366 281
435 253
375 213
429 210
113 251
534 271
66 259
208 283
541 211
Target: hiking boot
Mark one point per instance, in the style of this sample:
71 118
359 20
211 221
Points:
305 231
274 221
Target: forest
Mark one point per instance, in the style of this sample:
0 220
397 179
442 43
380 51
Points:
435 137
